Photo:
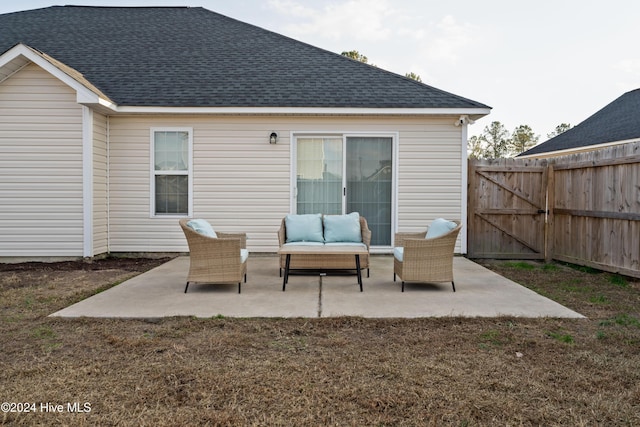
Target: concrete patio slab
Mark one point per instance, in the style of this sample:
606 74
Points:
160 293
479 293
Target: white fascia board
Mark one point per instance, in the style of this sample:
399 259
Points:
10 66
305 110
14 53
85 96
106 103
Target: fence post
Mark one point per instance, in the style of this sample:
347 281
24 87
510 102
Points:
550 202
471 205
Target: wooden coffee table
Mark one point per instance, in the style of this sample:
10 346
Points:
320 251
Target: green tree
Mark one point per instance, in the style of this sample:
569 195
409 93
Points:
354 54
413 76
495 138
562 127
522 139
475 147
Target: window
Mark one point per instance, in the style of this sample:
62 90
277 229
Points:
171 172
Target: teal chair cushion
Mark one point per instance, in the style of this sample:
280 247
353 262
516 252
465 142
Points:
202 226
303 244
440 227
342 228
304 228
398 252
244 255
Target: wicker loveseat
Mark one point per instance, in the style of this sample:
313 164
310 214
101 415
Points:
330 228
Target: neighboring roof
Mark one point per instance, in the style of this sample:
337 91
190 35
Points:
618 121
192 57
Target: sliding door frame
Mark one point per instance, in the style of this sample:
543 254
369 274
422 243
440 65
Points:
344 135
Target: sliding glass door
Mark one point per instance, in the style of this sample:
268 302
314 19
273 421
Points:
369 188
319 175
339 174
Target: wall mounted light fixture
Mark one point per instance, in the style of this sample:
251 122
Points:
273 138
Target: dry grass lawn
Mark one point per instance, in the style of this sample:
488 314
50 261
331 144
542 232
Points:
318 372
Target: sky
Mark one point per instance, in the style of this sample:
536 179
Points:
538 63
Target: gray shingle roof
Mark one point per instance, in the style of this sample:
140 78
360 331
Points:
618 121
192 57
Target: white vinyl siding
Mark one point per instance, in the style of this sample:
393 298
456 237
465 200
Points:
242 183
239 181
429 175
100 184
40 167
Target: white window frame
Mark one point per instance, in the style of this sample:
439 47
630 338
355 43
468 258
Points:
395 141
154 173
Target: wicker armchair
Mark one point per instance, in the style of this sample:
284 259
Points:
215 260
426 260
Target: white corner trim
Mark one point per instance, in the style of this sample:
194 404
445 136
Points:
87 181
464 190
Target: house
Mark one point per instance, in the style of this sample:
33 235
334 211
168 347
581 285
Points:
616 123
117 121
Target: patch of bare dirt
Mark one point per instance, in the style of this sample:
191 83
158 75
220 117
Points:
338 371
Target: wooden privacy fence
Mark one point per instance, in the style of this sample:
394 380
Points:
583 209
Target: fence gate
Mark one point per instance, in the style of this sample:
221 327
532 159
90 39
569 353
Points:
507 208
